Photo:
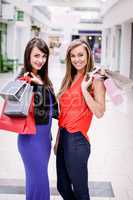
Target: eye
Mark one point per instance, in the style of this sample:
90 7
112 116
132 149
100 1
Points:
72 55
37 55
44 56
80 55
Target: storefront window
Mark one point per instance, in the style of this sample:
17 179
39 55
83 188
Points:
35 30
3 38
20 15
3 42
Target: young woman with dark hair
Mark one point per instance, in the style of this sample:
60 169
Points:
35 149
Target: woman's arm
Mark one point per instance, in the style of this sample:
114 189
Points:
96 103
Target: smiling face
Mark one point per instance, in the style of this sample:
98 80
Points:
37 59
78 57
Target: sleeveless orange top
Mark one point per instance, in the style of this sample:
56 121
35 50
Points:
74 115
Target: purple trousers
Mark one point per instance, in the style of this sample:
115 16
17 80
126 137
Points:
35 152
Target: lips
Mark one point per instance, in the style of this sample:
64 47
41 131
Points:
79 64
38 65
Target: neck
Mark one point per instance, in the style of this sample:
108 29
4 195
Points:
34 71
77 76
80 73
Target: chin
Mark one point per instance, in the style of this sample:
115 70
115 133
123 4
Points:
80 68
38 68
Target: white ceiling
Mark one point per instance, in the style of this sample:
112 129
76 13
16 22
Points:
85 8
81 3
71 10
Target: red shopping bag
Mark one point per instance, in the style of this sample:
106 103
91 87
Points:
20 125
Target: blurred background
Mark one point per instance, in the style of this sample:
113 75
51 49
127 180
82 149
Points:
105 24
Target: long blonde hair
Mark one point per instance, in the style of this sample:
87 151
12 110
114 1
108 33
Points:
70 70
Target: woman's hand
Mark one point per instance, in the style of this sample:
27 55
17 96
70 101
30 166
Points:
55 148
34 78
57 142
86 82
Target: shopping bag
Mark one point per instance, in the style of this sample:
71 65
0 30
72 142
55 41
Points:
14 90
19 108
17 94
121 81
20 125
113 91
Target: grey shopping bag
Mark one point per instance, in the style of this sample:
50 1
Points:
14 90
19 108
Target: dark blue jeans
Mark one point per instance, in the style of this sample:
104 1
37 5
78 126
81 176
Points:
72 172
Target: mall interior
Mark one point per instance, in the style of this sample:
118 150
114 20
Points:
107 26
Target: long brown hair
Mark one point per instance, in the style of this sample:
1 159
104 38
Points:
70 69
42 46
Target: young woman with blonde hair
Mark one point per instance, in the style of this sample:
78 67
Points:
79 99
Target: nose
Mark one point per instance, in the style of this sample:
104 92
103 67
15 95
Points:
76 59
41 59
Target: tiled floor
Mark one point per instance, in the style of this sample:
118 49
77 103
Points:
111 142
14 186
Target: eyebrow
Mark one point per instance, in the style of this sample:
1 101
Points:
71 54
44 54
